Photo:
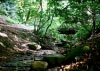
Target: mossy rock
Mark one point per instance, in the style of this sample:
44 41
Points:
86 48
39 66
54 59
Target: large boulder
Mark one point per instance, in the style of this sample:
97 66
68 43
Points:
54 59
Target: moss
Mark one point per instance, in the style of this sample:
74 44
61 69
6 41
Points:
39 65
86 48
54 59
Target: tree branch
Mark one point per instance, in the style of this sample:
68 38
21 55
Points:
49 26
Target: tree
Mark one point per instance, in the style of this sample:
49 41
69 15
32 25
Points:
83 11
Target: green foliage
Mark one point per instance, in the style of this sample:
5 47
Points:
2 1
83 33
11 21
78 51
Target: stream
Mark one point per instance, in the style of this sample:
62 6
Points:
22 62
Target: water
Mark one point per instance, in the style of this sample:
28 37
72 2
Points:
21 63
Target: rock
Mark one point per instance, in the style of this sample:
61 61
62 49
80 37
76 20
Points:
38 58
32 46
2 19
23 27
60 50
39 66
3 35
2 45
39 55
54 59
5 47
5 41
5 54
44 52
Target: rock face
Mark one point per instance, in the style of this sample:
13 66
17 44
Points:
11 40
14 37
39 66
